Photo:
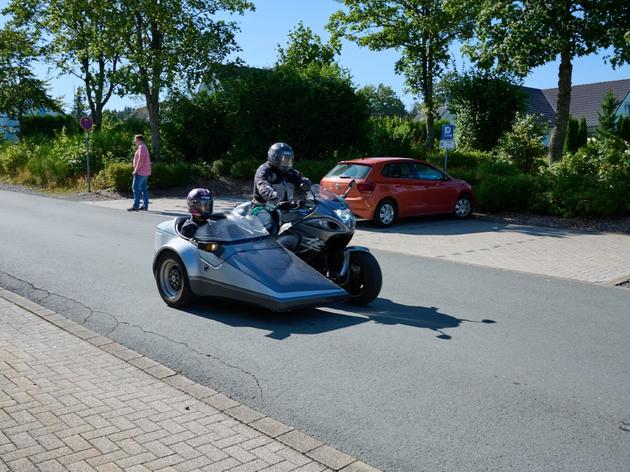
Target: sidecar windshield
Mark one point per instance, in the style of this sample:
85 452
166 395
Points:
232 229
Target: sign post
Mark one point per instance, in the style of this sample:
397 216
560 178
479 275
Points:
447 142
86 123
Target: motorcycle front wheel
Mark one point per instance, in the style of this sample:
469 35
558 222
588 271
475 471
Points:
365 278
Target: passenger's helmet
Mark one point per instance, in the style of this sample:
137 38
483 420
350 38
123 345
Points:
200 202
280 156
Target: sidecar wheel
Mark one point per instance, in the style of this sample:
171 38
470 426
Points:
365 280
172 280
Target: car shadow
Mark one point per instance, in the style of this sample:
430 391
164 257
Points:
444 225
313 321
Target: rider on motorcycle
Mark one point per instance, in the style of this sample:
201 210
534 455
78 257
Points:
276 183
200 204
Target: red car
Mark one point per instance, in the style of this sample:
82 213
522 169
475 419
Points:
391 187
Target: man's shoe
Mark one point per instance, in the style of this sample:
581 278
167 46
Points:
132 209
143 208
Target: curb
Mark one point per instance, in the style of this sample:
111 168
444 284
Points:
302 443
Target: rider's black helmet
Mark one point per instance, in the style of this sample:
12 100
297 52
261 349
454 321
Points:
200 203
280 156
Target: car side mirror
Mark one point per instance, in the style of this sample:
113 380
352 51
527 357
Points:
445 177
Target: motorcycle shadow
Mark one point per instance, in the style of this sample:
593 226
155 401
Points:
313 321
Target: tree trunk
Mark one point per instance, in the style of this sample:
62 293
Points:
563 106
98 116
153 107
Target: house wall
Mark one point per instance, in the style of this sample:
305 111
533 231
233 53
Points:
624 107
8 128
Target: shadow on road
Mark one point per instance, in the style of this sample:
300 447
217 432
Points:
317 321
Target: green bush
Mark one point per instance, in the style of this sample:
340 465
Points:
505 192
464 173
40 128
522 146
119 176
245 169
220 167
593 181
48 171
14 157
396 137
166 175
314 170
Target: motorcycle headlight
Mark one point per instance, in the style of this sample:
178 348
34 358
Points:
346 217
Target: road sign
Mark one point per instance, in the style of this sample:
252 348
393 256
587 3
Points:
447 144
448 132
86 123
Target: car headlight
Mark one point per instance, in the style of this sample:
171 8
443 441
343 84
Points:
346 217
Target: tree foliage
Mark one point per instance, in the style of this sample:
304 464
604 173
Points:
607 117
422 30
81 38
305 48
382 100
522 146
519 35
582 134
485 105
21 92
571 143
171 42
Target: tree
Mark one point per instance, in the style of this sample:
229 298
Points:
518 35
20 91
422 30
485 105
571 140
78 105
522 146
608 120
81 38
306 48
582 134
382 100
171 43
624 128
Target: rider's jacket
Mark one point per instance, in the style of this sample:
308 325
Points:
273 186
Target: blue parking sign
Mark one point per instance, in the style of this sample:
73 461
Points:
448 131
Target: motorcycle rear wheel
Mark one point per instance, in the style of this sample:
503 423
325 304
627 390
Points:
365 278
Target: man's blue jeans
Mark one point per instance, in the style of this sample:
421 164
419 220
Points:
140 186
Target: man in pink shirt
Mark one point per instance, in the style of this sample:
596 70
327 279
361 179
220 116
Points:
141 173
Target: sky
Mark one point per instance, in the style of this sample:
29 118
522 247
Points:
268 26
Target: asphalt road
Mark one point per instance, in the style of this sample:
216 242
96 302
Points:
454 368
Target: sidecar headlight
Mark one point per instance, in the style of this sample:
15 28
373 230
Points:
346 217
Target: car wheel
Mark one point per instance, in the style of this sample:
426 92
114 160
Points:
172 280
463 207
365 278
385 214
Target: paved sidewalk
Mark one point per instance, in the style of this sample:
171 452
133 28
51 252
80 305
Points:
585 256
73 400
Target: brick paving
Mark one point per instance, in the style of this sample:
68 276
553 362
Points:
68 404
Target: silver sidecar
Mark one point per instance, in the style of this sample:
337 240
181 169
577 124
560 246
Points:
234 257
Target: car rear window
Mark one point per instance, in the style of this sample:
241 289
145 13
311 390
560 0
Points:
349 171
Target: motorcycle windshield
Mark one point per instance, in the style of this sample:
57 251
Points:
323 195
232 229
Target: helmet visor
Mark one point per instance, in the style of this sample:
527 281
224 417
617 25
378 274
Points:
285 162
205 205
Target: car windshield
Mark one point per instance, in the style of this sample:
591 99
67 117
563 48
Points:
232 229
349 171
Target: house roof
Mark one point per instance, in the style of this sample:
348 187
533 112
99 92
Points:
586 100
537 103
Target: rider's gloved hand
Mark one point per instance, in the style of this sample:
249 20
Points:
284 206
306 184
